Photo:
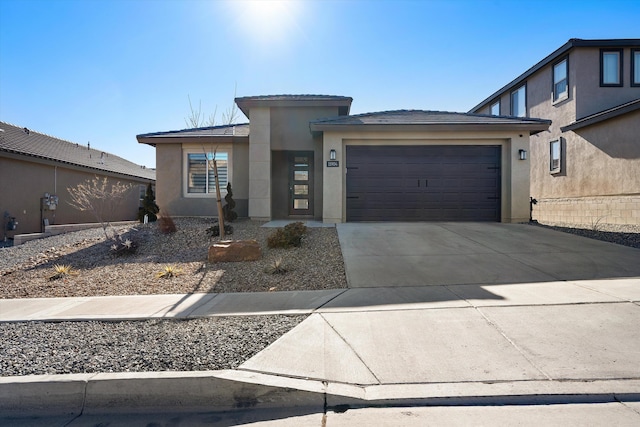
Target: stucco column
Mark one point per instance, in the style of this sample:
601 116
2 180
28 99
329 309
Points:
333 179
520 178
260 164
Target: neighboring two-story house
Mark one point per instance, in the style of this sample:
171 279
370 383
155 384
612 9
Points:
585 169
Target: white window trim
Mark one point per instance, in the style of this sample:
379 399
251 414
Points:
524 88
497 102
565 94
186 150
557 169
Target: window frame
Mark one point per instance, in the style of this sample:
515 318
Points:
620 67
635 65
565 95
499 104
553 167
524 91
186 150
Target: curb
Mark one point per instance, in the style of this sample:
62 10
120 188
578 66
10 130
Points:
236 390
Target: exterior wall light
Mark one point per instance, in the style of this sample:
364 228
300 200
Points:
332 154
522 154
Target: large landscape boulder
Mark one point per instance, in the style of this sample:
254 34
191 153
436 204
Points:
235 251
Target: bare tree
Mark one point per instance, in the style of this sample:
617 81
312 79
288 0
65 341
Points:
100 199
214 165
196 119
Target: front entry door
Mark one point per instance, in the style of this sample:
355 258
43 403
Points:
301 183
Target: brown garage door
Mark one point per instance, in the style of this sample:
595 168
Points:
423 183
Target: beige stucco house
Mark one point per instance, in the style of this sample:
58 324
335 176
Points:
585 169
36 170
305 157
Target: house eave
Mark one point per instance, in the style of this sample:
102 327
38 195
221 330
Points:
603 116
532 128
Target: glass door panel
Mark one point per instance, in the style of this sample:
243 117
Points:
300 183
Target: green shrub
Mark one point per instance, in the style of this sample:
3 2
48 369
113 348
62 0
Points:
215 230
289 236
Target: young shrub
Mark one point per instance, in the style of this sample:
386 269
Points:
168 272
149 206
276 267
229 214
215 230
61 271
166 224
289 236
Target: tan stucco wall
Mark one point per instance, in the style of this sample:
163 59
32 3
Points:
515 173
591 98
170 194
24 182
260 163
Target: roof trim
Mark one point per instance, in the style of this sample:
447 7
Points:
247 102
347 124
176 136
556 54
602 116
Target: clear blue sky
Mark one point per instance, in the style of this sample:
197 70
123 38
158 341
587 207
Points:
106 70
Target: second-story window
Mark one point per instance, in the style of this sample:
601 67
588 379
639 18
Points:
519 102
560 80
495 108
635 67
611 67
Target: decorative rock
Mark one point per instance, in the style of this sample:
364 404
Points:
235 251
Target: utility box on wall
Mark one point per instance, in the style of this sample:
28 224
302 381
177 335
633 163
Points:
49 202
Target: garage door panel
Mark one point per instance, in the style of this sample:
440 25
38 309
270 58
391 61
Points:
423 183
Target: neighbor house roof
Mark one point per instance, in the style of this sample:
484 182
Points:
247 102
552 57
428 121
224 133
607 114
25 142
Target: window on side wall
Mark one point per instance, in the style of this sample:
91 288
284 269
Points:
560 80
495 108
519 102
635 67
611 67
555 156
199 179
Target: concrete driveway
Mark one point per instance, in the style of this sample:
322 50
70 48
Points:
420 254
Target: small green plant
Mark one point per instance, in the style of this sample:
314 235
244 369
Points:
289 236
215 230
168 272
61 271
276 267
149 207
229 214
123 246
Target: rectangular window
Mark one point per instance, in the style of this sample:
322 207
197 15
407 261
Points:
635 67
200 175
555 151
560 80
611 67
495 108
519 102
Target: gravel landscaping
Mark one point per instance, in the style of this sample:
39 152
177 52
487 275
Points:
33 348
627 235
25 270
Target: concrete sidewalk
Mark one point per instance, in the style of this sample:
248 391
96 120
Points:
555 342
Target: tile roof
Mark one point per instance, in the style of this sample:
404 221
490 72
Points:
238 130
23 141
423 117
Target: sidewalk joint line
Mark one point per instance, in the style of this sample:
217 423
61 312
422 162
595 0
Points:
352 349
497 328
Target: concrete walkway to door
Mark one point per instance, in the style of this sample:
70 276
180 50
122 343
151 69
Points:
419 254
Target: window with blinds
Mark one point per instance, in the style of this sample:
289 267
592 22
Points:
201 174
